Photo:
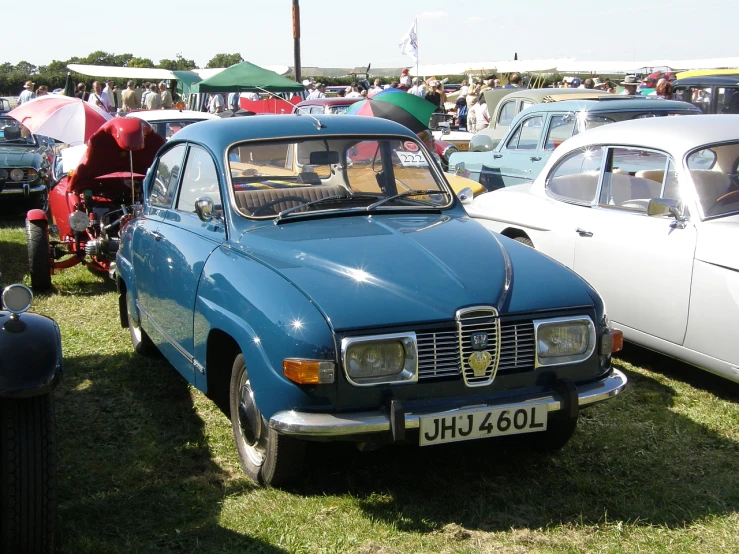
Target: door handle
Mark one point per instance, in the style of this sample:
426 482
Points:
496 156
157 236
584 233
535 158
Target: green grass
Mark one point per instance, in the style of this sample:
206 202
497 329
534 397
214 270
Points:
147 464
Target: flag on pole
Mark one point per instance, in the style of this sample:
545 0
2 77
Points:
409 45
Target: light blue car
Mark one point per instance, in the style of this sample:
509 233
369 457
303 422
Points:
537 131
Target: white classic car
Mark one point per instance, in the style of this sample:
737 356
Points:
648 212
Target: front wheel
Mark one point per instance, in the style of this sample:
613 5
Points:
28 472
267 457
37 233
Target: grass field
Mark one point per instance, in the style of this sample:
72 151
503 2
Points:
147 464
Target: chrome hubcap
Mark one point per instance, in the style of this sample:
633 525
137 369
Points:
250 422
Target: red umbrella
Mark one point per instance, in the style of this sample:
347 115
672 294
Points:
60 117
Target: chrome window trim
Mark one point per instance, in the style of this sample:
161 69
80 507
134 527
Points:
564 360
411 373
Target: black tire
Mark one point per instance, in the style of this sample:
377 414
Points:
28 468
267 457
141 342
37 234
525 240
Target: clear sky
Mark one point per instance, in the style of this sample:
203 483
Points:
346 33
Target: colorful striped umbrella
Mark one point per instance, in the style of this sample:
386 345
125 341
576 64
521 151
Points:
396 105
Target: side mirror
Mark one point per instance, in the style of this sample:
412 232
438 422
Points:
465 196
204 208
667 206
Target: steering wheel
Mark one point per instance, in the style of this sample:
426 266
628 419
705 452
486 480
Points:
726 197
268 205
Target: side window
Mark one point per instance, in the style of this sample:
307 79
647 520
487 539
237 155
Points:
525 104
700 97
561 127
727 99
507 113
531 133
633 176
164 184
200 178
575 178
512 143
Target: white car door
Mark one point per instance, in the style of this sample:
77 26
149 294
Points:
642 265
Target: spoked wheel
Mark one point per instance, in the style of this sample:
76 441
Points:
141 342
28 472
266 457
37 233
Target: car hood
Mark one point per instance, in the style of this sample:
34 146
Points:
716 242
14 156
370 271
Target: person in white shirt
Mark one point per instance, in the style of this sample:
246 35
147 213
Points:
27 94
215 103
99 98
463 89
418 88
377 87
405 79
353 91
319 92
108 90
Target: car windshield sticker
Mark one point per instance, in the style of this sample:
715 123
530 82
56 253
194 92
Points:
412 159
410 146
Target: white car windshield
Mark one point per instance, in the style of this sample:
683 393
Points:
286 178
715 174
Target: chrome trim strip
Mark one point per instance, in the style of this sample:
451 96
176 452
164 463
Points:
170 340
291 422
22 190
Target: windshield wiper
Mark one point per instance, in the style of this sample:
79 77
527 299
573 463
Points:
415 192
320 200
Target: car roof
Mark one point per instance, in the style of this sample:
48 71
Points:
224 132
612 103
552 94
337 101
674 134
172 115
708 80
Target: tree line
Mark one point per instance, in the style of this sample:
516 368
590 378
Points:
54 75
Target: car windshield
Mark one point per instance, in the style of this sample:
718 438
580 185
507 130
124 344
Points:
13 133
272 178
715 174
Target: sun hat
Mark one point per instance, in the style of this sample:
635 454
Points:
575 82
29 83
630 80
405 70
597 83
306 82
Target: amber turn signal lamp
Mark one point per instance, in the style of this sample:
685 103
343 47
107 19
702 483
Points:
309 372
180 106
611 342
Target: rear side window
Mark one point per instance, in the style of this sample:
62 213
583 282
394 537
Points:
633 177
507 113
163 186
561 127
575 178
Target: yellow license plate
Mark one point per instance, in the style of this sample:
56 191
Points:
463 147
482 423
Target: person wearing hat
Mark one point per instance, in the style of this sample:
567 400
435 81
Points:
319 92
575 83
27 93
629 83
128 97
598 84
405 79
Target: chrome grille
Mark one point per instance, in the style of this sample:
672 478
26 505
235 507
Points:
517 347
438 354
439 351
478 321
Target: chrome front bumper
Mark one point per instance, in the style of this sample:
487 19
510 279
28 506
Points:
358 423
23 188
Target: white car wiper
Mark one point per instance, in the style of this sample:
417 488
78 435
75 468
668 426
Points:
415 192
320 200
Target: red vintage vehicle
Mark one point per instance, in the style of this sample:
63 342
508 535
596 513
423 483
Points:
90 205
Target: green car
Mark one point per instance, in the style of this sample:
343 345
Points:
24 164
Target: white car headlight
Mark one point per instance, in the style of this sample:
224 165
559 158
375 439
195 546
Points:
16 174
380 359
564 340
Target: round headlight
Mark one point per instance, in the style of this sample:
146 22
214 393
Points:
3 175
78 221
17 298
16 174
448 151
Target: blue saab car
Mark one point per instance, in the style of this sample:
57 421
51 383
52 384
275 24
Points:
319 279
539 129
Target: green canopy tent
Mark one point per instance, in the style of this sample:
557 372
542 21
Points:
246 77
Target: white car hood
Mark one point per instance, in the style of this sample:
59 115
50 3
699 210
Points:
717 242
